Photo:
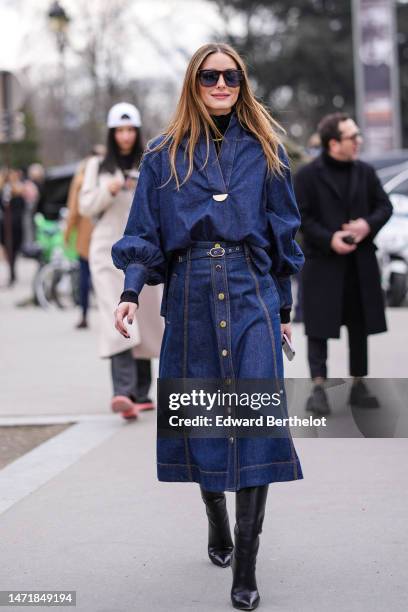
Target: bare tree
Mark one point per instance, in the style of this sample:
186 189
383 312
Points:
101 68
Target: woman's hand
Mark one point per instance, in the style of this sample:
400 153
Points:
130 183
125 309
286 328
115 185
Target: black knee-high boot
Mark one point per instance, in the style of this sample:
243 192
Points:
220 545
250 512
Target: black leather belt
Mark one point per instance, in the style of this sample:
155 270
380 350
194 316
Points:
209 250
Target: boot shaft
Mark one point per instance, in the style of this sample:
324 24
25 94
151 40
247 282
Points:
250 513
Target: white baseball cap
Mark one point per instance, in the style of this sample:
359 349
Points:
124 114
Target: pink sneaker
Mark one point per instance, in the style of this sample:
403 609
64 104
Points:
145 406
123 404
131 415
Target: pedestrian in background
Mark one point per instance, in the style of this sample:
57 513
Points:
214 215
36 175
343 206
31 196
12 207
83 226
106 197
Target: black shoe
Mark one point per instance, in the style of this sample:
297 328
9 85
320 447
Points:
361 397
220 545
83 324
250 512
318 402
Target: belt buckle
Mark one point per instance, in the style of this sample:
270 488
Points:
217 252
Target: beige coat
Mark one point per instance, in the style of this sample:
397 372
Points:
109 214
75 220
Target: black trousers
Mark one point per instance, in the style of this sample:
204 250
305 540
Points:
353 318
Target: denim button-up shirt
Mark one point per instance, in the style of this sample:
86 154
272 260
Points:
259 209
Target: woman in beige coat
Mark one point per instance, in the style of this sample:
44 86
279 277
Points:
84 227
106 197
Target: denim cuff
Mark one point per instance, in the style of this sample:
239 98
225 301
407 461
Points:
135 277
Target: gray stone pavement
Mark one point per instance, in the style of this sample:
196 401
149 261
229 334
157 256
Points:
84 511
51 367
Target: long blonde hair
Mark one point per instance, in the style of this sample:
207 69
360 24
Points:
192 117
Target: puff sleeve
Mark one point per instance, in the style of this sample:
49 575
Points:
283 221
139 253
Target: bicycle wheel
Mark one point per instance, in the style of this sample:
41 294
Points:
53 286
43 285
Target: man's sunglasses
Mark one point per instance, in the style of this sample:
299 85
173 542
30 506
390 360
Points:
353 137
209 78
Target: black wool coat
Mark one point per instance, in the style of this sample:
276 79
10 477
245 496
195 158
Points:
323 212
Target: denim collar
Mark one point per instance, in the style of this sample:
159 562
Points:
219 168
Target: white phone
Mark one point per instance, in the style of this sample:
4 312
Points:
287 347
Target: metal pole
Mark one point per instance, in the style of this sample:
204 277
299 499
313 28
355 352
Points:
395 82
358 66
61 49
376 73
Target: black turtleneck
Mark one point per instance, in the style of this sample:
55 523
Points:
340 174
126 162
222 122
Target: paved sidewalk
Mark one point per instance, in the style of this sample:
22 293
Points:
51 367
106 528
84 511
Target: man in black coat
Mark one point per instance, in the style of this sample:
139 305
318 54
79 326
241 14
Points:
343 206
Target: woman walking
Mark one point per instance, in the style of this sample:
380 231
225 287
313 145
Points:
83 226
106 196
214 217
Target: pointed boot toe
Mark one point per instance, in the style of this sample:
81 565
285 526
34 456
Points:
245 600
220 556
244 592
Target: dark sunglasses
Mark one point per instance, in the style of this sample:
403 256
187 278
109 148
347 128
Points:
353 137
209 78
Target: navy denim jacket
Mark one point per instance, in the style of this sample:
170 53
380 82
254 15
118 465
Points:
259 209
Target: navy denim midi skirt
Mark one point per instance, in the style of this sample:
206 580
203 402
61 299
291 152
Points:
222 321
